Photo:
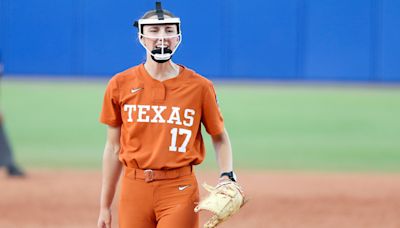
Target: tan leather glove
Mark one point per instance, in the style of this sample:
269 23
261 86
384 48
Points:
224 200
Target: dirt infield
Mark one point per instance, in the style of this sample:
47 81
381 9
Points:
277 199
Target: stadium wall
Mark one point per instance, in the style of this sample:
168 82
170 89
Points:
344 40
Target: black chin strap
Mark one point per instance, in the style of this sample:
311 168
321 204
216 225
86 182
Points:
159 11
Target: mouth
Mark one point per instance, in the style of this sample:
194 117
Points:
160 49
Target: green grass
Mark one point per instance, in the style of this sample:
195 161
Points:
295 127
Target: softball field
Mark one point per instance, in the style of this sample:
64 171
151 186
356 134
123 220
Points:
69 199
306 155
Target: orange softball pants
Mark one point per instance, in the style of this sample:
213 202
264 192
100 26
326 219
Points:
158 199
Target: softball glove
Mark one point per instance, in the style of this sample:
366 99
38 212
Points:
224 200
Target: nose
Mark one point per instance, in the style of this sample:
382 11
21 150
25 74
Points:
161 33
162 42
160 36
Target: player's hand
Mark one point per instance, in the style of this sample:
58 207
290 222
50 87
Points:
104 218
223 201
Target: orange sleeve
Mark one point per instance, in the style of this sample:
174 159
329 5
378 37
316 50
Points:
211 116
111 111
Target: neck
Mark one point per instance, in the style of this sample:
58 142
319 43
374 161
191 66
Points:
161 71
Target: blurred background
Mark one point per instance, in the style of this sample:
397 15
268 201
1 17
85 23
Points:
331 40
302 84
305 86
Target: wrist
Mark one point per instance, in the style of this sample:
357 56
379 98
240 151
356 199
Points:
104 208
228 176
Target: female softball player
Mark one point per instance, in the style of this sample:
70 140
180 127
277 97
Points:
154 113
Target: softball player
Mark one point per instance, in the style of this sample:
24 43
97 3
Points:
154 113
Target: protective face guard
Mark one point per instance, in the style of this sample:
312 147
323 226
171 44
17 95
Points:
163 55
160 20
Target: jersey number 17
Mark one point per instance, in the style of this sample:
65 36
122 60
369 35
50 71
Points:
180 131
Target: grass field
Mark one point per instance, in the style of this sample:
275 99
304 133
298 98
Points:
276 127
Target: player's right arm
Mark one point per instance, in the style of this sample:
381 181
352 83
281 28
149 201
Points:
111 171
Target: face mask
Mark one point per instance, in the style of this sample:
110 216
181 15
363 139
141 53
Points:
162 54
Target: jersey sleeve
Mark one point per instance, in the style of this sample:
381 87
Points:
211 114
111 111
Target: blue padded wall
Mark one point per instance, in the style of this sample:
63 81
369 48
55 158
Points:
289 39
262 40
39 37
389 58
338 40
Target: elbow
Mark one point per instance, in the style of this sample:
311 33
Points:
220 138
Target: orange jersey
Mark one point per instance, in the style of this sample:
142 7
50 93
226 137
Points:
161 121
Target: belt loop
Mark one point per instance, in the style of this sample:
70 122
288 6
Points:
129 172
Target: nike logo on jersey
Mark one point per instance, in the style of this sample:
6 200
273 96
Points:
135 90
181 188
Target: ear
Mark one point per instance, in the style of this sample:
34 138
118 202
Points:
140 39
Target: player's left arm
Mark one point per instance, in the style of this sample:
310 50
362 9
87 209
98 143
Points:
223 150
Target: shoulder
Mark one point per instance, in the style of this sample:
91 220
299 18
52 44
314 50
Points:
197 78
126 78
128 74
